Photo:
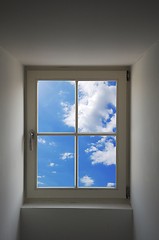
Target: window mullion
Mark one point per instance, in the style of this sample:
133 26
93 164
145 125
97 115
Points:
76 134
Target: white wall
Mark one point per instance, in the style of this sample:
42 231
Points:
11 145
80 223
145 145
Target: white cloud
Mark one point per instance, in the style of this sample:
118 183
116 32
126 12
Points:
41 140
40 183
43 176
111 185
52 144
93 116
66 155
69 114
91 149
51 164
61 92
71 82
53 172
112 124
103 151
87 181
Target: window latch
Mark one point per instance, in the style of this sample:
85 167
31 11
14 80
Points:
31 139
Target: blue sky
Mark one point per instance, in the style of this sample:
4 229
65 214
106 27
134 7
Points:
96 153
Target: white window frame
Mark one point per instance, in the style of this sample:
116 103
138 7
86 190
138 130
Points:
80 74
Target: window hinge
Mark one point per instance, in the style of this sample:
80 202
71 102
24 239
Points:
127 192
128 75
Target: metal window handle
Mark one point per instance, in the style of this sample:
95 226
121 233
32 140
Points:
31 139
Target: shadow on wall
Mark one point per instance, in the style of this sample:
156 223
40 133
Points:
76 223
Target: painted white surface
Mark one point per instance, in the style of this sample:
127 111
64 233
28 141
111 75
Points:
76 223
145 145
11 145
78 32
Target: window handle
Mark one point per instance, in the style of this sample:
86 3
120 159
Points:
31 139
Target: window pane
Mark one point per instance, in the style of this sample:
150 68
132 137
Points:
55 161
56 106
97 106
97 161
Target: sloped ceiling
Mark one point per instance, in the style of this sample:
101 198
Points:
78 32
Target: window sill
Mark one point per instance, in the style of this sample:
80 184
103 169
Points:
114 204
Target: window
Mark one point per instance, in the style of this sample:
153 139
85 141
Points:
76 133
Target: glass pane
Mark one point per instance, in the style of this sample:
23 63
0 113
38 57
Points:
56 106
97 161
97 106
55 161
